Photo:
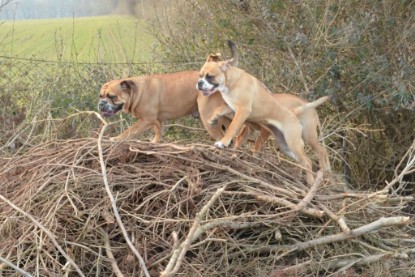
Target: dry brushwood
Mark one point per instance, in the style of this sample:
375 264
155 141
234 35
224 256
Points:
82 207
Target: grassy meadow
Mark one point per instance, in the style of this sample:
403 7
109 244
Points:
59 65
108 39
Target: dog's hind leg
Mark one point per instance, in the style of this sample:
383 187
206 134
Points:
292 144
304 161
311 139
310 135
242 136
261 139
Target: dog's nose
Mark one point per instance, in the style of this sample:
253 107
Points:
200 84
101 105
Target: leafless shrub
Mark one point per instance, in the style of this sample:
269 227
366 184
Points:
191 210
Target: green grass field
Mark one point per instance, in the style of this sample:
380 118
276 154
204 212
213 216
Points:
90 39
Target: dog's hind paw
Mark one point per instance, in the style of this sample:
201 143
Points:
219 144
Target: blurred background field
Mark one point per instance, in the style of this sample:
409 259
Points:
105 39
104 31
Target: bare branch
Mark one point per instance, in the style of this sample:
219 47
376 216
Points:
113 262
113 201
10 264
47 232
312 192
178 253
380 223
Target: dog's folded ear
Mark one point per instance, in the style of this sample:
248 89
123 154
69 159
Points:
214 58
105 86
127 85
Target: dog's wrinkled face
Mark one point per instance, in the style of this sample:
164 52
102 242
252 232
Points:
212 76
113 96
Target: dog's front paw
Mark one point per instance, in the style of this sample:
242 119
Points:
220 144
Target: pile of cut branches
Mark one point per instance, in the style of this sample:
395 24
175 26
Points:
92 208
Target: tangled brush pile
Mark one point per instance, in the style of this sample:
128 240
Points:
82 208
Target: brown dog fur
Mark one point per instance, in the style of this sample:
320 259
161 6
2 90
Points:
308 119
251 101
154 99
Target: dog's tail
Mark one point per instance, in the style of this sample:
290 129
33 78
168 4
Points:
314 104
234 60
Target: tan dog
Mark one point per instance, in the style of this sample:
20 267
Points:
308 118
251 101
154 99
151 99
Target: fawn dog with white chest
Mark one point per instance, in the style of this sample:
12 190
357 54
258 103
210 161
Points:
249 100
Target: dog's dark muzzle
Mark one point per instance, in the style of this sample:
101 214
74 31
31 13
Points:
200 85
102 105
108 109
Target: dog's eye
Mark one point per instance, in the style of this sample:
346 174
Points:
111 97
208 77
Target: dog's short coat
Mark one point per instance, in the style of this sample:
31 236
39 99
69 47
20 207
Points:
153 99
308 118
251 101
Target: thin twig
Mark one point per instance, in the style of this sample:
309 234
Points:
178 253
281 201
10 264
47 232
380 223
346 263
312 192
340 220
254 180
113 201
410 165
299 69
113 262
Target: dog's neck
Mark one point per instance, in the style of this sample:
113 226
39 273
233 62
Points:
230 78
223 89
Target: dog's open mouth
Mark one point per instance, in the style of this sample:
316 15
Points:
210 91
108 113
109 110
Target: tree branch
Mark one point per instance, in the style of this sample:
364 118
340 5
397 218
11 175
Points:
178 253
113 201
10 264
47 232
380 223
281 201
114 265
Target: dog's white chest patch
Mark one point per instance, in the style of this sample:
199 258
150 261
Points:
225 95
